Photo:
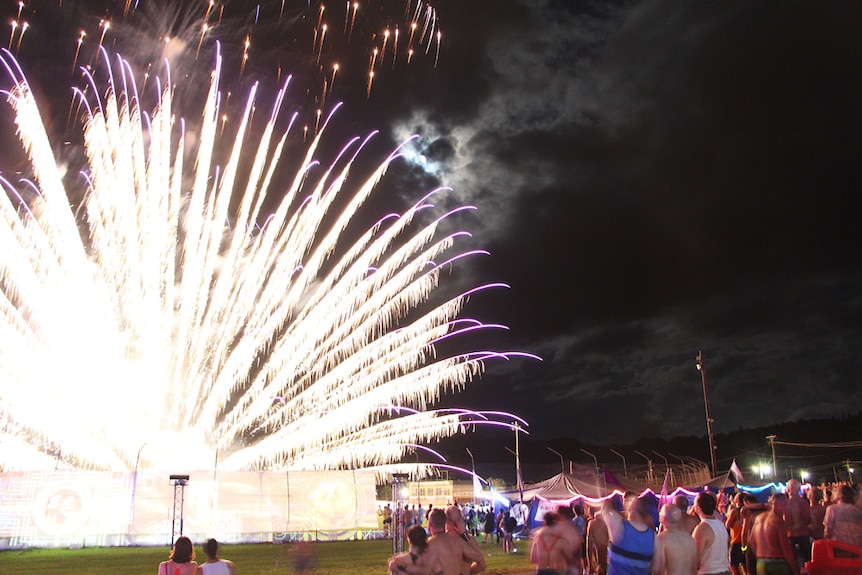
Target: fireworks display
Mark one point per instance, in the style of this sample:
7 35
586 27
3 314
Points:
166 318
320 44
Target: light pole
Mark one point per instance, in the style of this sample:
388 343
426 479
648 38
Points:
701 366
596 461
598 473
473 464
625 469
666 466
685 477
562 463
650 478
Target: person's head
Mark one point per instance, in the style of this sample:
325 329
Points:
551 518
579 510
705 503
815 495
748 498
778 502
669 516
211 549
183 552
437 521
793 487
681 501
417 537
565 512
455 518
846 494
640 508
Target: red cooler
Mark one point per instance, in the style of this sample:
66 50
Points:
829 557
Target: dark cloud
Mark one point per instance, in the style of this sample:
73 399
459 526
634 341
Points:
654 179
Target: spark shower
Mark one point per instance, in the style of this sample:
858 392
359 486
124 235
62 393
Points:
166 320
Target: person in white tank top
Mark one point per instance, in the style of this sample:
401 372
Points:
711 538
214 565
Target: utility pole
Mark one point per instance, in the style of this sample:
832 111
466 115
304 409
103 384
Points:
771 439
701 366
473 464
518 464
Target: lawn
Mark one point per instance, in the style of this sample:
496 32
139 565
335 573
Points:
330 558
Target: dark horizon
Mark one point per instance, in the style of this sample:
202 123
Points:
492 456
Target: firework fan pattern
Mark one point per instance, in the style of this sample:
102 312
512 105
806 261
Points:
168 319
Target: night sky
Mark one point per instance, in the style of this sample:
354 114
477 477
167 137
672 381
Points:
655 179
652 179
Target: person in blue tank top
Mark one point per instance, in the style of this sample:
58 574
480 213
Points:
632 538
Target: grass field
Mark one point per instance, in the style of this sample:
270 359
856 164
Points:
330 558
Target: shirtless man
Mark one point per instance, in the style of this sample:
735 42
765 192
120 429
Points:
446 553
675 553
456 525
818 513
750 510
797 517
689 521
769 540
551 551
597 545
565 526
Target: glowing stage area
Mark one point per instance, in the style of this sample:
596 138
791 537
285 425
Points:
75 508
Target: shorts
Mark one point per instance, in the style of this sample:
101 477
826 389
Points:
773 567
737 555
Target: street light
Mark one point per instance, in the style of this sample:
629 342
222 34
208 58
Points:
596 461
666 466
650 478
562 463
701 367
625 469
685 477
762 469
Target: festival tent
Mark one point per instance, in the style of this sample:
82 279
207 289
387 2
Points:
561 489
723 482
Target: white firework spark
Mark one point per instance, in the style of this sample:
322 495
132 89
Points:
147 333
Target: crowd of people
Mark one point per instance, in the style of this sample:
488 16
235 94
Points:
711 536
480 520
721 535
